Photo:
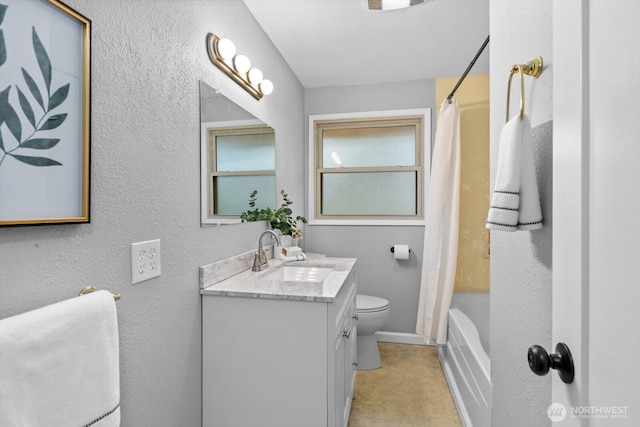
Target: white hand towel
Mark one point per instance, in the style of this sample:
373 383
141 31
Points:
515 203
530 214
59 365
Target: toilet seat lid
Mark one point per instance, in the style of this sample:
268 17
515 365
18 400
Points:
369 303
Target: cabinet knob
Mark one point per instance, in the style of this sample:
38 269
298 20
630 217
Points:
355 317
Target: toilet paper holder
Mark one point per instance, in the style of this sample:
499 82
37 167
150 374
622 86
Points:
393 249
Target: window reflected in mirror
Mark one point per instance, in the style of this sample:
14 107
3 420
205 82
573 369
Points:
237 157
240 159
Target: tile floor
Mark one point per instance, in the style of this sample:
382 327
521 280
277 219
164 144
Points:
409 390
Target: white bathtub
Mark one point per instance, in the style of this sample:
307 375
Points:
467 368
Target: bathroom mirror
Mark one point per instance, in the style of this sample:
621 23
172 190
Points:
237 156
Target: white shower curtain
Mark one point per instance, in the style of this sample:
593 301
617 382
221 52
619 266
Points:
441 230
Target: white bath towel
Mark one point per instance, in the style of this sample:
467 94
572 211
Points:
515 202
59 365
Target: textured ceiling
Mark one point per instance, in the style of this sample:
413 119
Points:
341 42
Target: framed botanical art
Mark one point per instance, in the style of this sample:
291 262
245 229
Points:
44 113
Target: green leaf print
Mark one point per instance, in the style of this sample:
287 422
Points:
43 59
26 108
36 161
33 88
53 121
40 143
58 96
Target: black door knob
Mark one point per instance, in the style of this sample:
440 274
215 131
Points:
540 361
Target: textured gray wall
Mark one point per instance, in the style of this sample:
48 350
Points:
521 261
147 59
378 273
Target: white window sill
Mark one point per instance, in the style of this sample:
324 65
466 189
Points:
376 222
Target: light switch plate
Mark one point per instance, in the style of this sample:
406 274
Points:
145 260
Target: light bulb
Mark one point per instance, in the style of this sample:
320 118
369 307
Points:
226 49
266 87
395 4
255 76
241 63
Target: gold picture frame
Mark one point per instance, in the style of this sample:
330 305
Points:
45 70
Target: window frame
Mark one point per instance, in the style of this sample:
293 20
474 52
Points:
208 155
388 117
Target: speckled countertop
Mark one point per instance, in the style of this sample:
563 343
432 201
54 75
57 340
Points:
250 284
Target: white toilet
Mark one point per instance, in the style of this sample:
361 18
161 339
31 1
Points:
373 313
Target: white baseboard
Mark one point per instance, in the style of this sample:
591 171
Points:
400 338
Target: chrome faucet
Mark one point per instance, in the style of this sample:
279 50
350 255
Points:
260 261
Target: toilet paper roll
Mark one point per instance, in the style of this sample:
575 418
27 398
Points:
401 251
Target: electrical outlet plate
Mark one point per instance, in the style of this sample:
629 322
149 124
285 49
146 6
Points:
145 260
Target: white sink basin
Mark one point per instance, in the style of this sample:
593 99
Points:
299 273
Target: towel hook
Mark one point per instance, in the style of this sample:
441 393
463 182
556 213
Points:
532 68
514 69
88 289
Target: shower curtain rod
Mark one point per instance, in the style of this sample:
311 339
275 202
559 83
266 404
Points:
468 69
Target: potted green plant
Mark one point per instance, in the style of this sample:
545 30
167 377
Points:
280 219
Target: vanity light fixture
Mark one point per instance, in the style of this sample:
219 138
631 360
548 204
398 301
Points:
222 53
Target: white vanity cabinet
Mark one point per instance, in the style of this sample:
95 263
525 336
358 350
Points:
345 359
279 360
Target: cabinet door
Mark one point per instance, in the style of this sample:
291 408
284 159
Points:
268 367
340 379
350 358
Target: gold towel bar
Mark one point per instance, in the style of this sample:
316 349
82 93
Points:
89 289
532 68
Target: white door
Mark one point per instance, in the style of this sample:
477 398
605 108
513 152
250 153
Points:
596 210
